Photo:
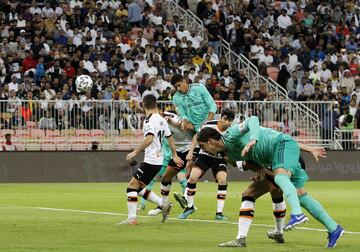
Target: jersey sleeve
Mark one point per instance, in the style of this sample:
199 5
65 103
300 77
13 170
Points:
149 129
207 98
252 125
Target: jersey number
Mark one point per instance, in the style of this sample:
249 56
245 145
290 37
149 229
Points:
160 135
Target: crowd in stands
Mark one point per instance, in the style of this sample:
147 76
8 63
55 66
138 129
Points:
131 48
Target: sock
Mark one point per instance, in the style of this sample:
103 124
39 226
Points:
289 190
246 216
221 196
279 209
165 190
190 194
318 212
132 199
183 183
150 196
149 187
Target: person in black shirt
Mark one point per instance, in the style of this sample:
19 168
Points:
214 33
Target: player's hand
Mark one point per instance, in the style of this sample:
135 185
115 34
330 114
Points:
183 124
318 152
130 156
247 148
178 161
190 156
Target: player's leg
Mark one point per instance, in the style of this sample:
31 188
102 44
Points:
142 177
246 215
190 192
220 174
279 212
286 151
180 198
319 213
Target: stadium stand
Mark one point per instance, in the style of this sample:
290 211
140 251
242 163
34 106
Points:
310 48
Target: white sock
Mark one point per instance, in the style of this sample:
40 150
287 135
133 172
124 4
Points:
279 210
190 194
132 199
221 196
245 218
165 190
150 196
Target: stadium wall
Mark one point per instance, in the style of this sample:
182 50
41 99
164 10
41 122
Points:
110 166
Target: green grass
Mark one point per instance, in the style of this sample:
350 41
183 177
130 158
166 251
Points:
25 228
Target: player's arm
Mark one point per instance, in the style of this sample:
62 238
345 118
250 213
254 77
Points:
175 157
251 125
209 101
147 141
315 151
193 144
182 113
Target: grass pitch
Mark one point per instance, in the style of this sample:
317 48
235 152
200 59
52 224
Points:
33 217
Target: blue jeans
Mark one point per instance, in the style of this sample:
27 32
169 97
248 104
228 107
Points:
215 45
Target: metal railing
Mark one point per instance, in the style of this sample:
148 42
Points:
240 62
347 139
77 124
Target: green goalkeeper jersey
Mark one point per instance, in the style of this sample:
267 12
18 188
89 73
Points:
195 105
239 135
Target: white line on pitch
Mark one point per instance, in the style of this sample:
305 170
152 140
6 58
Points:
190 220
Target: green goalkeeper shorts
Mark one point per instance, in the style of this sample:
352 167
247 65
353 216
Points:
286 156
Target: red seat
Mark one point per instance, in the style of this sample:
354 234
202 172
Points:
37 133
97 133
23 133
7 131
53 133
82 133
31 125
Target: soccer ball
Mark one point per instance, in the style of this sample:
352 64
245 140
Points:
83 83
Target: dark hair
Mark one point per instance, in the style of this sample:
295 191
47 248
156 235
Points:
206 133
229 113
176 78
8 134
149 101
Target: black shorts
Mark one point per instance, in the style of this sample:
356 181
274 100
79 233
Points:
146 172
182 155
205 162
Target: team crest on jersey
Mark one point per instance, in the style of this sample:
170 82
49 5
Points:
242 128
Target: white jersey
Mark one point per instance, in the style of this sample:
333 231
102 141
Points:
159 128
8 147
212 124
182 138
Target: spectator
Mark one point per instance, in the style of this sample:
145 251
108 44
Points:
8 145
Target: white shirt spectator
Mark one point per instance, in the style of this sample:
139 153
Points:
152 71
102 66
161 85
257 51
325 75
195 41
35 10
88 65
74 3
284 21
77 39
13 86
151 91
59 11
47 12
267 59
124 47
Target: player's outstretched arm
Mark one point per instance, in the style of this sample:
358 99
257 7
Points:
147 141
317 152
176 159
